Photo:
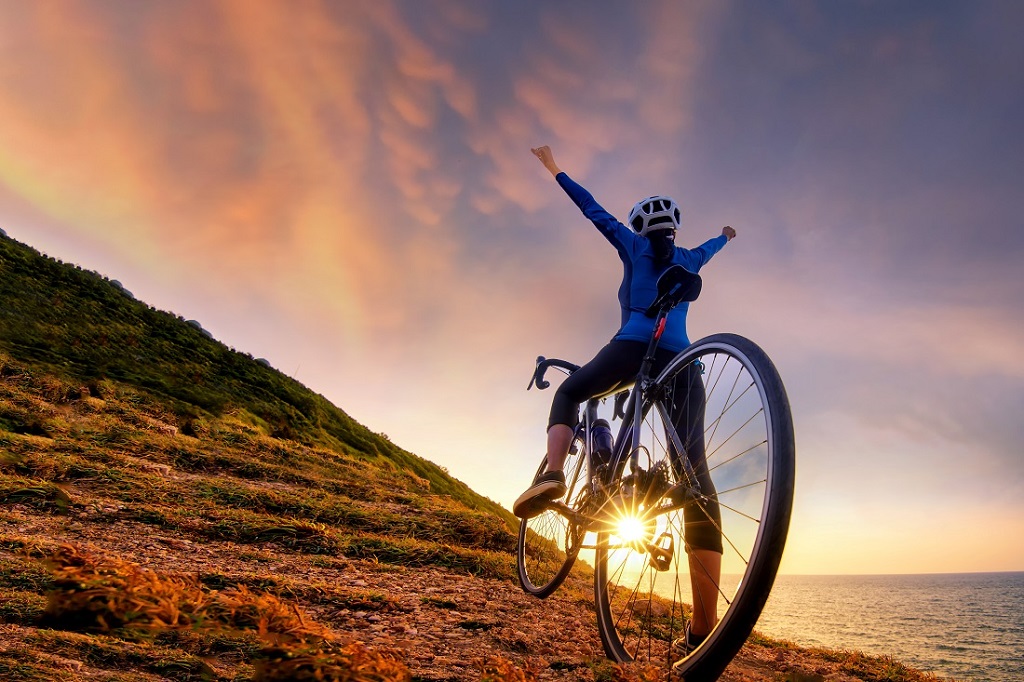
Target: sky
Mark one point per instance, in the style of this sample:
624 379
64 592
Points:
346 189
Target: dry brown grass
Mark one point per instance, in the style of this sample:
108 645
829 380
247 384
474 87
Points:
351 662
500 670
112 596
104 594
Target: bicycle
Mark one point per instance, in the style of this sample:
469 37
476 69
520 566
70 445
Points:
627 512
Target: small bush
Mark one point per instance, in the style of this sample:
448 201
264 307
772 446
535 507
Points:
500 670
349 663
108 595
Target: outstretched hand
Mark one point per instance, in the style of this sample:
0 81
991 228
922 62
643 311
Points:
547 158
729 233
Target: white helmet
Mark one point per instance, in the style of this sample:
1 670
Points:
654 213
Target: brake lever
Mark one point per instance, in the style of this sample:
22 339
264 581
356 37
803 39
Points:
538 375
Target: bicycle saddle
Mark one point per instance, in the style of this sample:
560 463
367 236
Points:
677 284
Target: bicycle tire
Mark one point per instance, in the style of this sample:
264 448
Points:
639 618
547 545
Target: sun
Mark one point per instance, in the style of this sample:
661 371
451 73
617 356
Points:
630 529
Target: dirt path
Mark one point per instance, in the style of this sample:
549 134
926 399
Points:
442 624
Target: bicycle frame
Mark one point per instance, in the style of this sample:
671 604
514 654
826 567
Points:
634 415
626 447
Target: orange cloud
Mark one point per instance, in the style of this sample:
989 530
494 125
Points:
78 147
237 168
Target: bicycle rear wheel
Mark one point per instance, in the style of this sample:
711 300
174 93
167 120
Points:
742 433
549 543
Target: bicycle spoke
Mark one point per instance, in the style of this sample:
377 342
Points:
731 435
738 512
739 454
725 409
728 540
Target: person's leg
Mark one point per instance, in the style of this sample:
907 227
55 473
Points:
705 573
559 440
614 364
703 521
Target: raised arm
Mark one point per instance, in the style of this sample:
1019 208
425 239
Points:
621 237
547 158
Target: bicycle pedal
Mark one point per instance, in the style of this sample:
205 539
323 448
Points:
661 552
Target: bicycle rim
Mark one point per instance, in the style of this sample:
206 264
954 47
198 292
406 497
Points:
643 605
548 543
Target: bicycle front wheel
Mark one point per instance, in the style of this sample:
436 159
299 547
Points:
718 414
549 542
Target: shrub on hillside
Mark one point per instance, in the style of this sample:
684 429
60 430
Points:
351 662
104 595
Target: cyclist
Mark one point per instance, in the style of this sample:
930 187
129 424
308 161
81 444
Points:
647 248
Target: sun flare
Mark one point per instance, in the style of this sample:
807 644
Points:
631 529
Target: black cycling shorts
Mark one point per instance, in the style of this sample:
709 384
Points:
616 365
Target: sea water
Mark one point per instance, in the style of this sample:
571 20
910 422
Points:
966 626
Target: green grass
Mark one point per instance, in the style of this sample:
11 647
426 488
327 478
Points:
85 335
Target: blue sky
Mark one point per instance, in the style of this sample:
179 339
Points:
346 189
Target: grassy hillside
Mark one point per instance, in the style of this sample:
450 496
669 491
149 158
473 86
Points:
87 330
171 509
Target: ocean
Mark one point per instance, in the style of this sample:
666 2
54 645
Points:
965 626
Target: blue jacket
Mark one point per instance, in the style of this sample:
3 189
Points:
639 285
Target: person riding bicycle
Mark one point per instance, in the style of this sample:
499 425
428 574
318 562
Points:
647 248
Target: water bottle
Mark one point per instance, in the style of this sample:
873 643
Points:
601 437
